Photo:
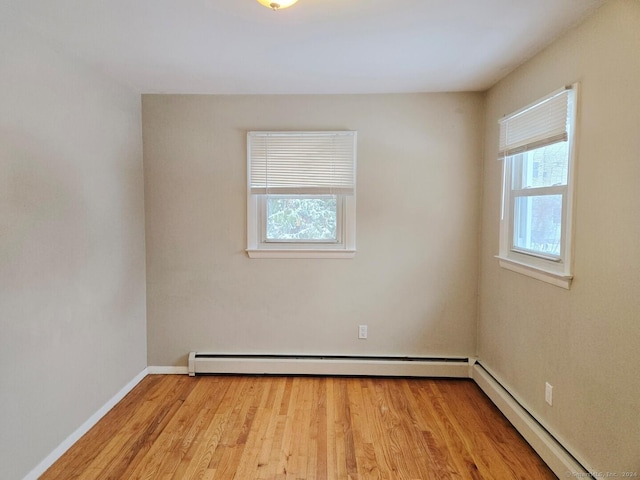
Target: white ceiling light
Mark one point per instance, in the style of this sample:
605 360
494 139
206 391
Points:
277 4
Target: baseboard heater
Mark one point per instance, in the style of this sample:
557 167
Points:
546 444
211 363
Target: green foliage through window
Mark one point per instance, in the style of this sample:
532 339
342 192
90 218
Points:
301 218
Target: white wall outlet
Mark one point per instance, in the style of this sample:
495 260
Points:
548 393
362 331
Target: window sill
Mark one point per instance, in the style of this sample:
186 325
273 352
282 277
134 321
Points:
307 253
554 278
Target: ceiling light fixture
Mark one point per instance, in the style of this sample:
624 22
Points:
276 5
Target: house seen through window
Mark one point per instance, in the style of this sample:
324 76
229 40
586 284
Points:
536 144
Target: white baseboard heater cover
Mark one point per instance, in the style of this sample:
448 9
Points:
550 449
210 363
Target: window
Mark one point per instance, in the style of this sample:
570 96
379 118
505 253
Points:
301 194
537 146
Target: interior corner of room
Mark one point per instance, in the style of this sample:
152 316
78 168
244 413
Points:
123 238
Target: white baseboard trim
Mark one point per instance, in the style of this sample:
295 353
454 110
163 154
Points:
84 428
157 370
310 365
552 452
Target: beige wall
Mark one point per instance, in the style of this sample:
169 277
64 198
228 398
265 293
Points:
72 272
413 280
72 266
583 341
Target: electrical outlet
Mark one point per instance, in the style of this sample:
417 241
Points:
548 393
362 332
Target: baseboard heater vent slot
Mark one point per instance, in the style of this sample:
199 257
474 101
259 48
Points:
210 363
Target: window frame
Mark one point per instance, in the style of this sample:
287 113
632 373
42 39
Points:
554 269
259 247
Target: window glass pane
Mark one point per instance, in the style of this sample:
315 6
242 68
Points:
301 218
542 167
538 224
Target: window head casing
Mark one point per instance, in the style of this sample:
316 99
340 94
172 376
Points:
301 194
536 228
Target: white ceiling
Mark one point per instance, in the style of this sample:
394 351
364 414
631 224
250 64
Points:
316 46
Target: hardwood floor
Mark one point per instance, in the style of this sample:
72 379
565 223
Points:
228 427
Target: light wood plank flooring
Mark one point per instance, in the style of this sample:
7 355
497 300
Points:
280 428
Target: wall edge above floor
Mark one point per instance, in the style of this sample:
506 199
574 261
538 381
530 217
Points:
68 442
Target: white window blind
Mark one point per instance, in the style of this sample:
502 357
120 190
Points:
301 163
536 126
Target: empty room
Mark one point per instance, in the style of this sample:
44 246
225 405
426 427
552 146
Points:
319 239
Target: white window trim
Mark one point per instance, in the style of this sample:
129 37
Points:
538 272
558 272
257 247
